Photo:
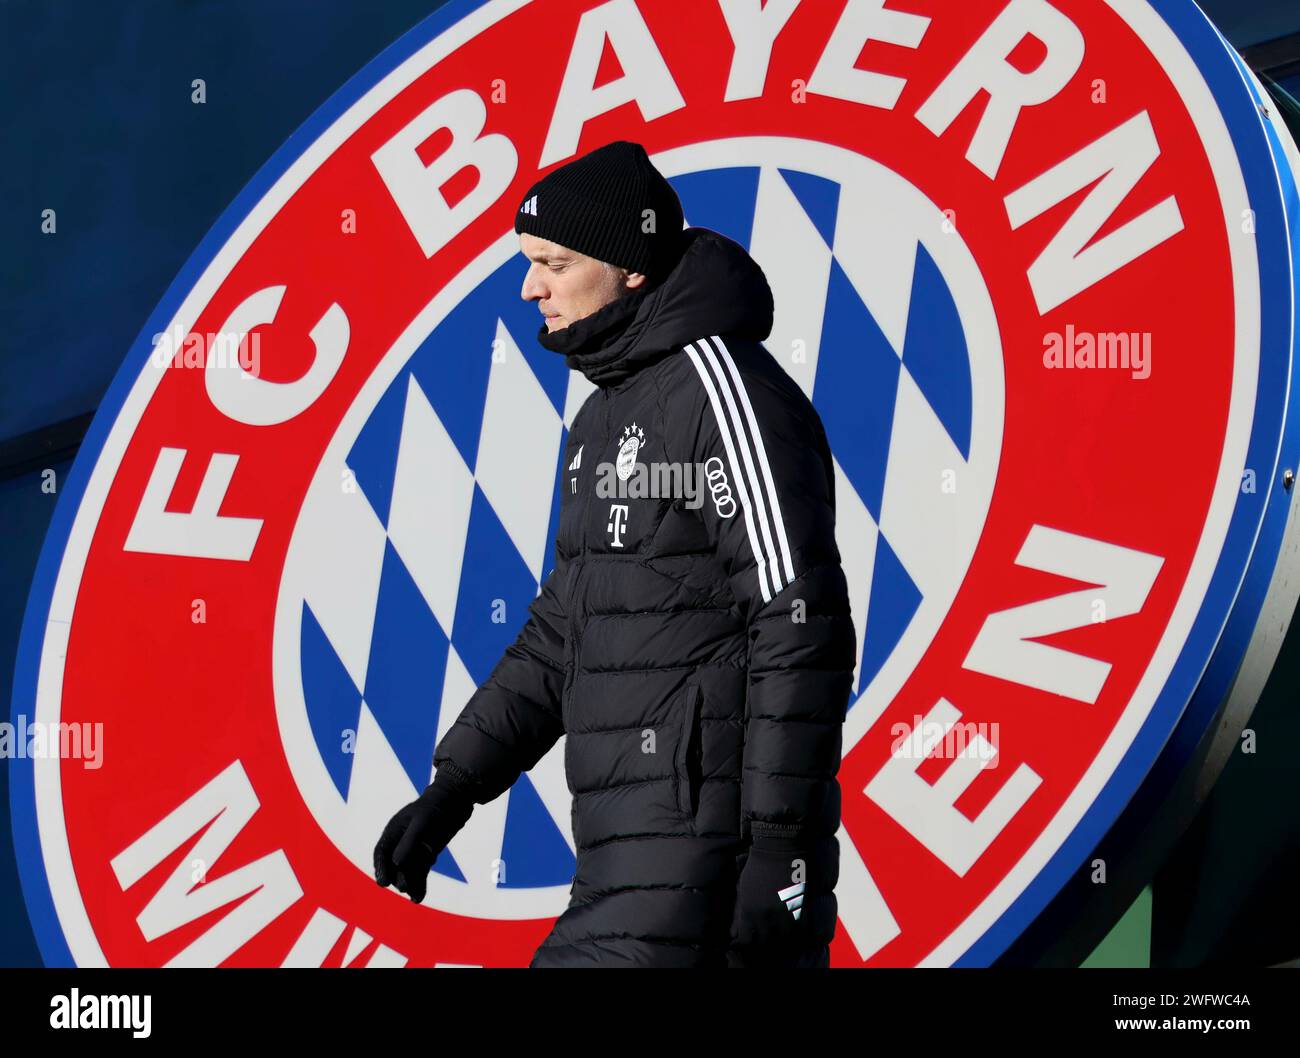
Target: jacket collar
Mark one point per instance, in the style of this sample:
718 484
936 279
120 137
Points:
715 288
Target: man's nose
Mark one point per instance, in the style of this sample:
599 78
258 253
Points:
533 289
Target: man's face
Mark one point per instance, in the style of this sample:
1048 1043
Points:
568 285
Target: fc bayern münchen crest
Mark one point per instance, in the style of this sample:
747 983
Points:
1031 264
633 438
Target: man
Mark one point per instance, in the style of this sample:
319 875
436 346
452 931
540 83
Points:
698 653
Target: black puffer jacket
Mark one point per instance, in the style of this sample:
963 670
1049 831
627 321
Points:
697 654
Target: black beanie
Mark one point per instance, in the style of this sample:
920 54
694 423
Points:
595 205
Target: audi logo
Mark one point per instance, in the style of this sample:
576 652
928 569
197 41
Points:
716 476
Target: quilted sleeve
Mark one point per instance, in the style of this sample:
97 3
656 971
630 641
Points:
769 506
514 717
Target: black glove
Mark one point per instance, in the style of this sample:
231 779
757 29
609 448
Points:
416 835
786 909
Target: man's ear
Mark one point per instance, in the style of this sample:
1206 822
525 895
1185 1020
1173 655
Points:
633 280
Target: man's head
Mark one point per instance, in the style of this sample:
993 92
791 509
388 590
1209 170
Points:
568 285
596 229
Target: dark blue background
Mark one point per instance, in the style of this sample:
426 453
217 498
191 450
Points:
98 125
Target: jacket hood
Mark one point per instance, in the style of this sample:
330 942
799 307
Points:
715 288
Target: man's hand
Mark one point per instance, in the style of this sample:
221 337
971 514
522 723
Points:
416 835
782 877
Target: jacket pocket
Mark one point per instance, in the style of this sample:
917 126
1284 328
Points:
688 762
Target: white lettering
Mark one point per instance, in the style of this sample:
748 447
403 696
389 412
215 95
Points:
645 81
220 810
1120 158
985 67
928 811
75 1011
863 20
1003 646
753 29
200 533
242 396
320 935
417 188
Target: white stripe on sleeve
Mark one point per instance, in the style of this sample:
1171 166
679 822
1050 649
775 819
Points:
729 442
773 502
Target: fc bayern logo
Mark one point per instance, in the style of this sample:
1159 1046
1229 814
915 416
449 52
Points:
1031 263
